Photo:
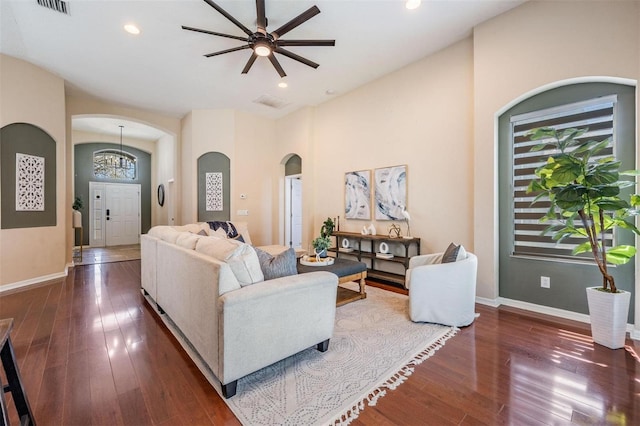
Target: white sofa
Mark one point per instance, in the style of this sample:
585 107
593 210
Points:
235 328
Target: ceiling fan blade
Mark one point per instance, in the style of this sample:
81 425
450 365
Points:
303 17
233 49
296 57
250 62
229 17
262 17
277 65
306 42
198 30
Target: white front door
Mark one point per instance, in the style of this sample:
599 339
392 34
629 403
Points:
115 214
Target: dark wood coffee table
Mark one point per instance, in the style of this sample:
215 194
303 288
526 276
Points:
347 271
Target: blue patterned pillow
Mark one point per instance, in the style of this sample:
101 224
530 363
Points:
282 265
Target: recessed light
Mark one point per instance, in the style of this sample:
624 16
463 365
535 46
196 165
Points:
132 29
283 85
330 92
412 4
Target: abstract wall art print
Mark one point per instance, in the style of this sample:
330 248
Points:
214 192
357 195
390 192
29 183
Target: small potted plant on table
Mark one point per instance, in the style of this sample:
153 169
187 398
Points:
323 242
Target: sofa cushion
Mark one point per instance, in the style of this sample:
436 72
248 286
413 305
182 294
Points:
241 258
281 265
187 240
168 234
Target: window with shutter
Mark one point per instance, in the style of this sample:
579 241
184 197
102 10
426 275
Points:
598 115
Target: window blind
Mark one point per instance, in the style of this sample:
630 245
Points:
598 115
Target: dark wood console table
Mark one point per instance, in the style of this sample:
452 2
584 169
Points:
374 270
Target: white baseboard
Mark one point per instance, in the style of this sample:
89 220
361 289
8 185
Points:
635 334
36 280
494 303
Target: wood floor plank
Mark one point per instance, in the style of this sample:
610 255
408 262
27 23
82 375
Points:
93 351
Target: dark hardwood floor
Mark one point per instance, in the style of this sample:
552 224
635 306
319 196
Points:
91 351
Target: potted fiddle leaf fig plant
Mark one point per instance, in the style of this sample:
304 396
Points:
583 188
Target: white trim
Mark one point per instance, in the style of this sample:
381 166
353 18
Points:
36 280
561 313
494 303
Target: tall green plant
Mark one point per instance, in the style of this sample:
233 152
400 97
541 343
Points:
585 196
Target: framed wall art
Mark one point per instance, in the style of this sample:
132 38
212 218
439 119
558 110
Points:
390 192
357 195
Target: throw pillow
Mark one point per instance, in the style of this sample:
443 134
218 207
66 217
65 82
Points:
454 253
281 265
451 253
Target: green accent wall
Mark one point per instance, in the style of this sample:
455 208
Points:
27 139
520 277
213 162
83 169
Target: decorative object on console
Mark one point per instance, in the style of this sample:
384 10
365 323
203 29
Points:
371 230
407 217
357 195
390 192
384 251
394 229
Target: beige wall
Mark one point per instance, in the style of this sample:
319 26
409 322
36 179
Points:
32 95
294 135
579 39
167 161
419 116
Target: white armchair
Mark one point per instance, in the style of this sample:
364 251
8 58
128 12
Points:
442 293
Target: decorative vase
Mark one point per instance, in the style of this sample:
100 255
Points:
608 313
77 219
322 253
371 230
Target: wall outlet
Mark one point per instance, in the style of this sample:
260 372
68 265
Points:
243 212
545 282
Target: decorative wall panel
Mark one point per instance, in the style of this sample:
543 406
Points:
214 192
29 183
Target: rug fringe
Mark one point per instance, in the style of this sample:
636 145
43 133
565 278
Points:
392 382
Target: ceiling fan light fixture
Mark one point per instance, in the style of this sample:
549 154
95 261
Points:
262 49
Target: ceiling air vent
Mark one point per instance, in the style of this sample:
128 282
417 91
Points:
57 5
271 101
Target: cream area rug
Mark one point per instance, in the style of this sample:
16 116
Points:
374 348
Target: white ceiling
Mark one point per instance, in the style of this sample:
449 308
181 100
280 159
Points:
163 69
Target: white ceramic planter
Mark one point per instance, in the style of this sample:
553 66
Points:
608 313
77 219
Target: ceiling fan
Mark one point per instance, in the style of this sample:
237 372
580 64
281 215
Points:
263 43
